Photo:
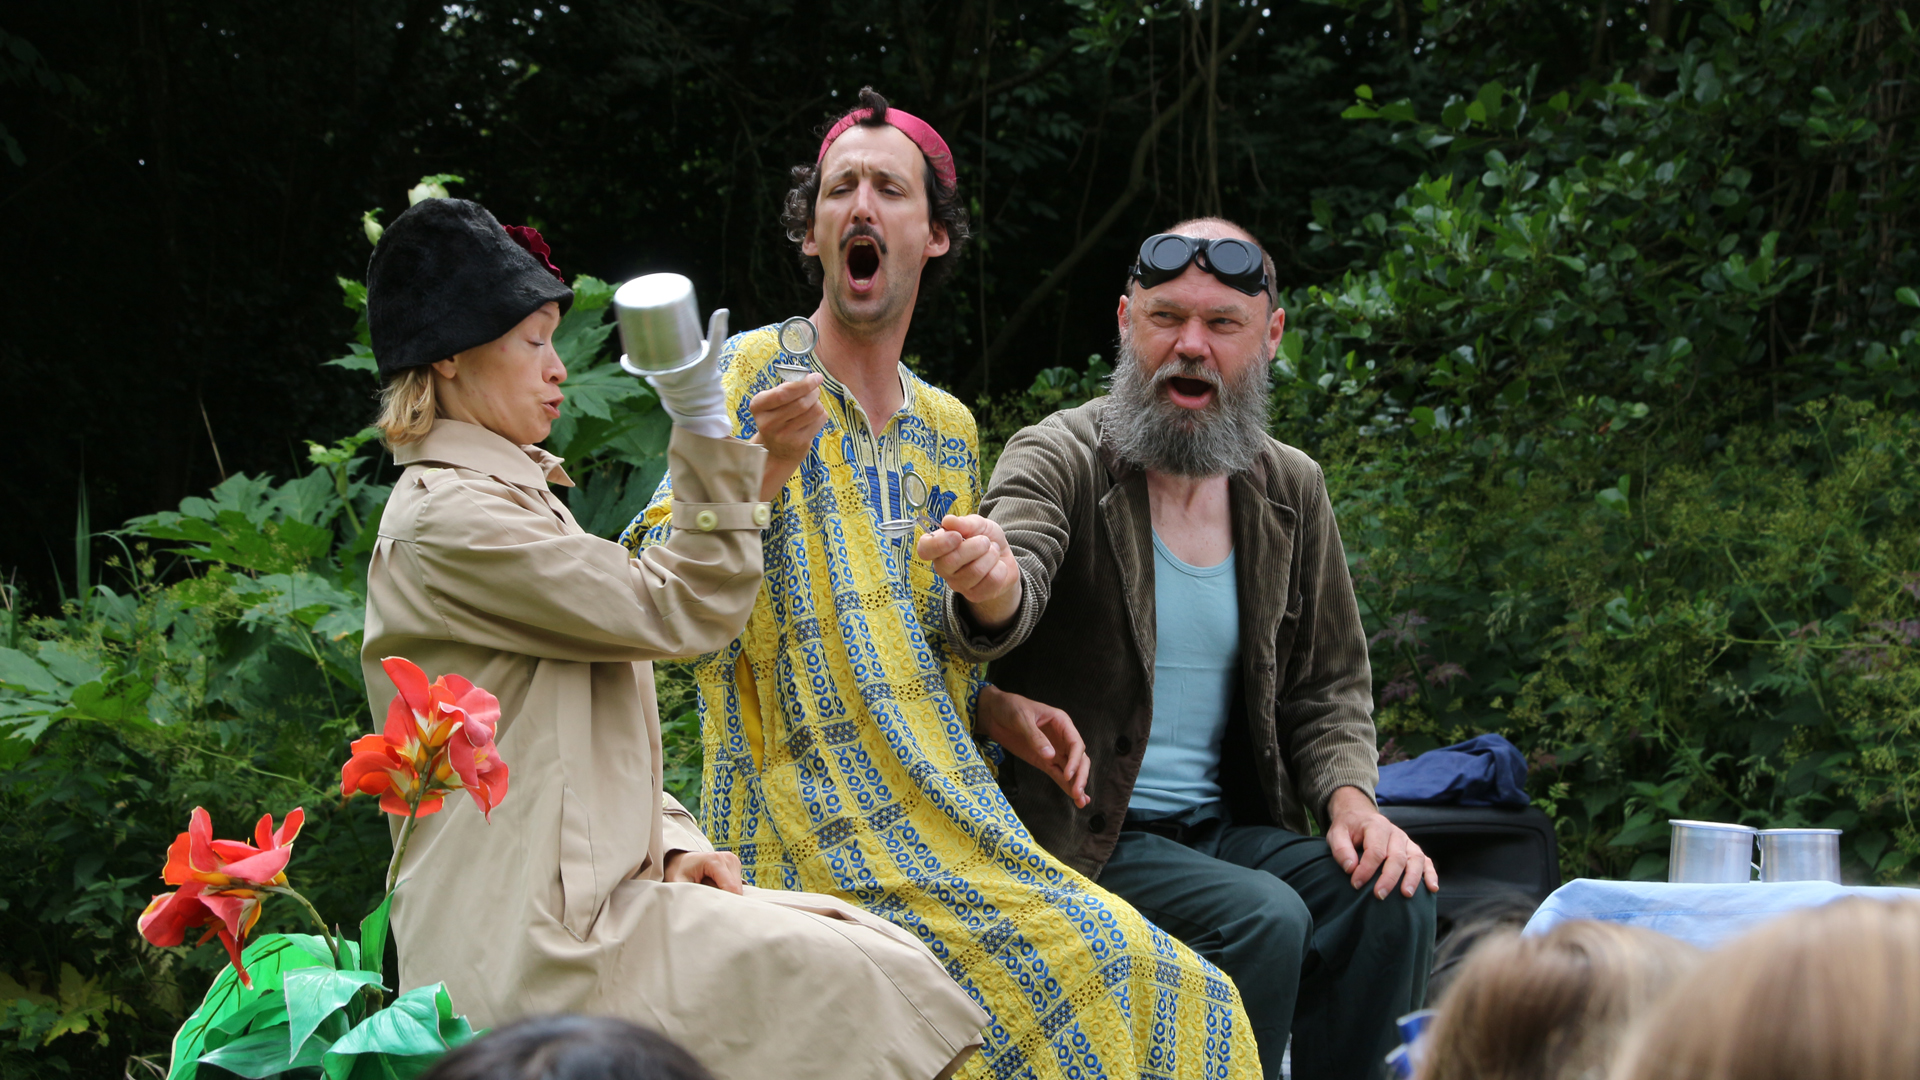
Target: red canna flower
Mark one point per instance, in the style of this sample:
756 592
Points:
438 738
221 884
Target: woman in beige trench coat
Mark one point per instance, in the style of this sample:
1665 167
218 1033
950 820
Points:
591 890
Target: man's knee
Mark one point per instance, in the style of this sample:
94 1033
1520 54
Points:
1399 929
1272 915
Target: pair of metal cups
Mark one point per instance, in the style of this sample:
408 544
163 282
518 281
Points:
1716 853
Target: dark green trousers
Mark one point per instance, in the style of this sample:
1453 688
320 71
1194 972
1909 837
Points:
1310 954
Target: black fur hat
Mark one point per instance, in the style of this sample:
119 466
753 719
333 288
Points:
445 277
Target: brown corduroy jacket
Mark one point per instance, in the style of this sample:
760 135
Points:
1078 521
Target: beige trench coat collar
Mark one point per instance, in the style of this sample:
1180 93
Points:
458 444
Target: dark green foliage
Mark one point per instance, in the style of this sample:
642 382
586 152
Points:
1616 404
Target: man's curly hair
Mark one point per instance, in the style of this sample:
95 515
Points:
944 208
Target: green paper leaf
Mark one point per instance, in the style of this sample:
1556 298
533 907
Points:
316 947
314 994
373 936
409 1026
261 1054
272 1005
267 959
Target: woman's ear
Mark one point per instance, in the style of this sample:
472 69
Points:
446 369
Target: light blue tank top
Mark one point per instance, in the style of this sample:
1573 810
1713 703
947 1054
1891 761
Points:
1195 662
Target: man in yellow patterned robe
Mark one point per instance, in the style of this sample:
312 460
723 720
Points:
841 754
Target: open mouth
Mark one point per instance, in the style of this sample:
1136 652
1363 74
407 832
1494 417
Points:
552 408
863 262
1189 393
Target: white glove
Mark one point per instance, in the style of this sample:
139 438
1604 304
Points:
693 396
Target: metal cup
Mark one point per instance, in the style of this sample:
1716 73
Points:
1800 855
659 324
1710 853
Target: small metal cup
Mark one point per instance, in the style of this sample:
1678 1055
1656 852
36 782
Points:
1710 853
1800 855
659 324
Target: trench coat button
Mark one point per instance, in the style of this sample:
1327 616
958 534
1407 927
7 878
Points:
706 521
762 514
1123 746
1098 823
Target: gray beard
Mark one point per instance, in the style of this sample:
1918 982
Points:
1148 430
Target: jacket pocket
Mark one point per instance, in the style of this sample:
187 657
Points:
580 893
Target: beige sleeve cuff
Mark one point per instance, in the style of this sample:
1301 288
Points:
679 831
707 517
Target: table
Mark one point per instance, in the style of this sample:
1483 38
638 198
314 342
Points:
1703 915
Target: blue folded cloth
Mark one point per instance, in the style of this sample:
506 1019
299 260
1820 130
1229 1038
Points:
1703 915
1486 770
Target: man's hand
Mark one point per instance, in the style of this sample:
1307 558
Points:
720 869
1363 841
971 553
786 419
1040 735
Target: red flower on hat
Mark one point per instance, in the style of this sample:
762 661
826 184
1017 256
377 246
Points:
529 238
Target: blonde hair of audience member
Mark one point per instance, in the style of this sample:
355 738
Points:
407 407
1829 992
1552 1006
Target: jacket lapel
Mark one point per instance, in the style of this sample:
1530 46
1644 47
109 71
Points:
1129 526
1263 545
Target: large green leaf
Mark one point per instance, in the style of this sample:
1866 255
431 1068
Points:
373 936
268 960
19 669
313 994
235 1024
408 1027
260 1054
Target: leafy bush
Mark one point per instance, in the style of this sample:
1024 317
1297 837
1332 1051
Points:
1616 405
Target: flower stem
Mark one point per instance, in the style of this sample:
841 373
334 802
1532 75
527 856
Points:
332 945
400 845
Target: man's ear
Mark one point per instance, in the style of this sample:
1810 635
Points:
1276 329
1120 316
938 242
807 244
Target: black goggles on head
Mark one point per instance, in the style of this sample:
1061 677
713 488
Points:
1235 262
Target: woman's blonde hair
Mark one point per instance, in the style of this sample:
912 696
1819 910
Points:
407 406
1829 992
1548 1007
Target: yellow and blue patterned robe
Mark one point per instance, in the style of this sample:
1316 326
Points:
840 759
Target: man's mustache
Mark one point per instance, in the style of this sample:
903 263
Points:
1186 369
859 229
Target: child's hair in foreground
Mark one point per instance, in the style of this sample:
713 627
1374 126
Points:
1549 1007
1822 994
569 1048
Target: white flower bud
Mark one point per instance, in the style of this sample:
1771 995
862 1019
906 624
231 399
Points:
423 191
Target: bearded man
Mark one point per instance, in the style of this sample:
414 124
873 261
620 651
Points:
1173 575
840 749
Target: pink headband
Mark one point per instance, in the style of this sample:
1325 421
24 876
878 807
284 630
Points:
921 132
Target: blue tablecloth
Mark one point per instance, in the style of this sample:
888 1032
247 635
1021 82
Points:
1704 915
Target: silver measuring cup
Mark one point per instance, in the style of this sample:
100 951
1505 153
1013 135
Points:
1710 853
1800 855
659 324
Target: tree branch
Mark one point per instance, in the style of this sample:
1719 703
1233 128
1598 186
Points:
1136 182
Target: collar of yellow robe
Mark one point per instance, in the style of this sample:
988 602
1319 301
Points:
470 446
